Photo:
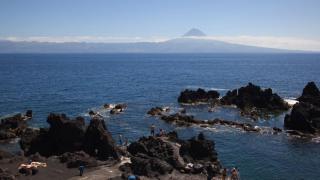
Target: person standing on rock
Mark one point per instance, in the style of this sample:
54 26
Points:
224 174
120 140
234 174
81 169
210 172
152 129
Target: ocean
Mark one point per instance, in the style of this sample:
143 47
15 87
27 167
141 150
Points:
76 83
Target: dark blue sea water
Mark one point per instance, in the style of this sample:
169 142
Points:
75 83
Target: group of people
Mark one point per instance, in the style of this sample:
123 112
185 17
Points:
234 174
162 132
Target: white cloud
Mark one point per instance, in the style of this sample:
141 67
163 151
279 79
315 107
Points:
98 39
290 43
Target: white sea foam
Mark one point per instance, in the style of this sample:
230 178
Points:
291 101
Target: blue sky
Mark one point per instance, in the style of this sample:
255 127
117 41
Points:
159 18
300 18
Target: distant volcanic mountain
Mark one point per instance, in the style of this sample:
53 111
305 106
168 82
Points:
194 32
191 42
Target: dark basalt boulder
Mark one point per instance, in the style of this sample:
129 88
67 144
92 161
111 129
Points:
153 156
154 147
253 96
29 114
98 141
304 117
198 150
156 111
13 126
149 166
310 94
76 159
200 95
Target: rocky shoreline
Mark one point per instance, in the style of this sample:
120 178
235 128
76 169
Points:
70 143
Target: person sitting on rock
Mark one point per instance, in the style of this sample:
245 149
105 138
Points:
162 132
152 129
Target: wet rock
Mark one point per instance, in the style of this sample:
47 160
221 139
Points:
181 119
29 114
107 106
200 95
253 96
98 141
276 130
155 111
304 117
76 159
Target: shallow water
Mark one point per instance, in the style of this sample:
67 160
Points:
76 83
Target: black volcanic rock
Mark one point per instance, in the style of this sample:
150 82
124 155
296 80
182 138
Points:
310 94
98 141
304 117
200 95
13 126
253 96
154 147
154 156
196 150
66 135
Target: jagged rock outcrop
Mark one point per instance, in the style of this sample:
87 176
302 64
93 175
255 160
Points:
305 115
310 94
98 141
200 95
66 135
253 96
